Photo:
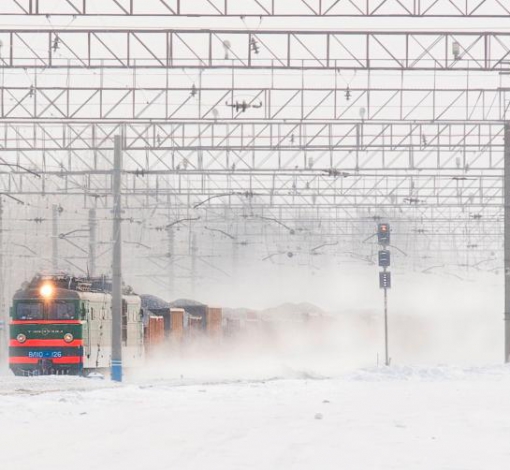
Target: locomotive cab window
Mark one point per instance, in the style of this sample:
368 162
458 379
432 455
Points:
84 312
62 311
28 311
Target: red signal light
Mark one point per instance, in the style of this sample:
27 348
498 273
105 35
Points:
383 234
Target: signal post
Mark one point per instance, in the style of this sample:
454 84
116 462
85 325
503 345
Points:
384 258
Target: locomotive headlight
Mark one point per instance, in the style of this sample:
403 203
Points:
21 338
46 291
68 337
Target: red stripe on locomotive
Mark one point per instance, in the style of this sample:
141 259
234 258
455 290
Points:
56 360
45 322
14 343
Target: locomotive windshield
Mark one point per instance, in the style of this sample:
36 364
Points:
51 311
29 311
61 311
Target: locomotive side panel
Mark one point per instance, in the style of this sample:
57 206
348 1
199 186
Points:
98 331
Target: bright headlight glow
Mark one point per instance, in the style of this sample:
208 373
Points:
68 337
46 291
21 338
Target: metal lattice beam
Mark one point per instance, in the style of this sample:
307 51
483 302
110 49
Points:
259 8
251 189
241 49
282 103
245 136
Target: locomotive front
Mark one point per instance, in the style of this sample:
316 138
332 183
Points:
45 330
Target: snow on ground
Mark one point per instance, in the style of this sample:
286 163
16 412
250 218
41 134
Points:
382 418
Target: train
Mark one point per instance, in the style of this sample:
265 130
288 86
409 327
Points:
61 325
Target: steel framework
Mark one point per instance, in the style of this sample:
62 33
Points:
265 137
263 104
255 49
259 8
274 135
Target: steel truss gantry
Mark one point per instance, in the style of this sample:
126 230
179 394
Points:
259 8
246 137
192 189
255 49
343 143
263 104
277 164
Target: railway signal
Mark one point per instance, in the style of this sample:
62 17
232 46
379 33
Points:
383 234
384 258
385 280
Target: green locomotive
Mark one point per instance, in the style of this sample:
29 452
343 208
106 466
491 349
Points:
63 325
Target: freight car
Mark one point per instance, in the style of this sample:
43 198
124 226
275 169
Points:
184 319
62 325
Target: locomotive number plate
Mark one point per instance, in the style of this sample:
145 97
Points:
45 354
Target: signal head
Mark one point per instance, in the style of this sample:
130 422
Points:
383 234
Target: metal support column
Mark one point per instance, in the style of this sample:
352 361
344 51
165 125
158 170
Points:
194 250
171 259
54 238
92 242
116 370
507 240
235 261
